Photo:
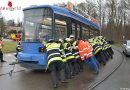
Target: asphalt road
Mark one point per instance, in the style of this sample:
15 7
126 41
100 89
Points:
39 80
120 80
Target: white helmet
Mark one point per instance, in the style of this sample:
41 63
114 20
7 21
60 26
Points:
61 40
90 40
71 36
67 39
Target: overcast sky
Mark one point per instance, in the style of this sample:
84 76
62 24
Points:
25 3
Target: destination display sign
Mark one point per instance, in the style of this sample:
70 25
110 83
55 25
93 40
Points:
75 9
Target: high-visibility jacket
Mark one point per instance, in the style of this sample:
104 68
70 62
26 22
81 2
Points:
1 44
13 36
68 51
75 50
88 50
62 51
81 46
53 51
18 48
97 45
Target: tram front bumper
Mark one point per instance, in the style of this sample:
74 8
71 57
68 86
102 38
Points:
40 59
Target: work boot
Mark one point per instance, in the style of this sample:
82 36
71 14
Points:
3 61
65 81
55 85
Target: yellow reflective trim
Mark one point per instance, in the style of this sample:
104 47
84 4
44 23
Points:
53 45
69 57
64 60
77 56
53 59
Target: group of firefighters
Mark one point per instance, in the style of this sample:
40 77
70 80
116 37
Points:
66 57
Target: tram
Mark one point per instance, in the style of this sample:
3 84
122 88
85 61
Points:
45 22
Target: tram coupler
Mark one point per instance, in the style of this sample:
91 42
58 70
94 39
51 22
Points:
13 63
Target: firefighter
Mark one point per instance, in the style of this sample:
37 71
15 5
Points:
89 56
97 50
75 52
18 49
105 47
69 57
1 46
55 63
86 52
64 58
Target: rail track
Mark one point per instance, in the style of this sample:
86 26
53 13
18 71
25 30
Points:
96 83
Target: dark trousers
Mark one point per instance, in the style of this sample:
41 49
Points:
75 67
57 71
109 52
68 69
101 57
1 55
80 63
105 55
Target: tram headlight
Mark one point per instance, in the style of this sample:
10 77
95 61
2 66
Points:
42 49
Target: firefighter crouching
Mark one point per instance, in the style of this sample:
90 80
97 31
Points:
85 50
98 52
69 57
55 63
102 50
78 63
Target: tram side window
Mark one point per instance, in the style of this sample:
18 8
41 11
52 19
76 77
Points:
96 33
78 31
91 33
73 28
61 29
85 33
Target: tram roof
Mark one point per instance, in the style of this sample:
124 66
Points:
66 12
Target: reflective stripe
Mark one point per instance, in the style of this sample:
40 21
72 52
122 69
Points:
61 50
62 55
81 51
76 53
52 49
54 59
89 53
85 49
90 46
68 54
76 46
69 47
85 54
53 54
82 57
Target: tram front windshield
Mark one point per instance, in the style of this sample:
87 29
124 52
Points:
37 25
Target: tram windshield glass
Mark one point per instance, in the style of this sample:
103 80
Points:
128 43
37 25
